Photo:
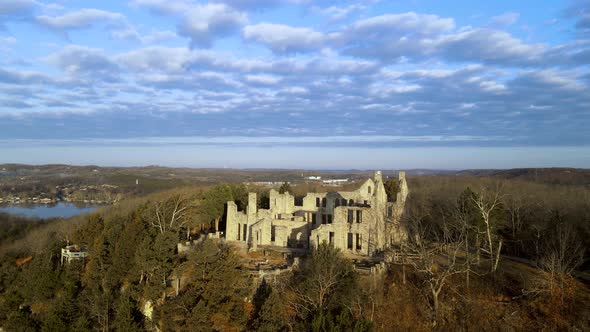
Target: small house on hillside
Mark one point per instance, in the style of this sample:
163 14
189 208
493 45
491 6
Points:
72 252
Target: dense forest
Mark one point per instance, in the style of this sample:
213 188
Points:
14 227
483 253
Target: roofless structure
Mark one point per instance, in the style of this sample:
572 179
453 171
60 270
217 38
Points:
361 222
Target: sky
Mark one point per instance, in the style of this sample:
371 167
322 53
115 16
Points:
296 83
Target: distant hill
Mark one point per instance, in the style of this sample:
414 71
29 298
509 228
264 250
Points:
126 176
558 176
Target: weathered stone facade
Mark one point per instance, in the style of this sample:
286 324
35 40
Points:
360 222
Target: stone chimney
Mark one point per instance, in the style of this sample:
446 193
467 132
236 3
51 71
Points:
403 188
378 176
251 203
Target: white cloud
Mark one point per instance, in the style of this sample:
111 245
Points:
504 20
7 40
85 62
537 107
11 76
418 24
164 7
580 12
297 90
385 90
163 59
555 79
492 86
158 36
263 79
131 33
127 33
477 45
283 38
394 37
203 23
488 46
79 19
251 4
15 10
336 13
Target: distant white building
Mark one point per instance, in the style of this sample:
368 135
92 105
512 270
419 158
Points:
313 178
269 184
335 181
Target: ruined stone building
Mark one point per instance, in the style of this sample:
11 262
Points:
360 222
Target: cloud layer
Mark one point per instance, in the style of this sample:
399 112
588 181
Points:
250 68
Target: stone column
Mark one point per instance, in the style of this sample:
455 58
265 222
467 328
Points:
252 210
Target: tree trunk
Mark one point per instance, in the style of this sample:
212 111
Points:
489 235
497 257
478 246
435 305
403 272
468 264
403 266
512 219
217 224
106 326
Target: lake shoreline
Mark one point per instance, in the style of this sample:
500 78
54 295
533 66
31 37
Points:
18 200
60 209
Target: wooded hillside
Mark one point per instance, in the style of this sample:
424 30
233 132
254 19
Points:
484 253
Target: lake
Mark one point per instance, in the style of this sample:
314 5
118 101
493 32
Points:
60 209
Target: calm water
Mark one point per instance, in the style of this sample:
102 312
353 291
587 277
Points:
60 209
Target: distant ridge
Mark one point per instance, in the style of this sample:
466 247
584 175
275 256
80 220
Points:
557 176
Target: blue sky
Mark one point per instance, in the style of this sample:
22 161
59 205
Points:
296 83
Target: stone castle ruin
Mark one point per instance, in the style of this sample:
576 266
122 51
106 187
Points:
361 222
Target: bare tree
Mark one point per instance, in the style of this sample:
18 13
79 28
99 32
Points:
516 205
417 211
322 282
563 252
170 214
487 202
464 230
436 260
